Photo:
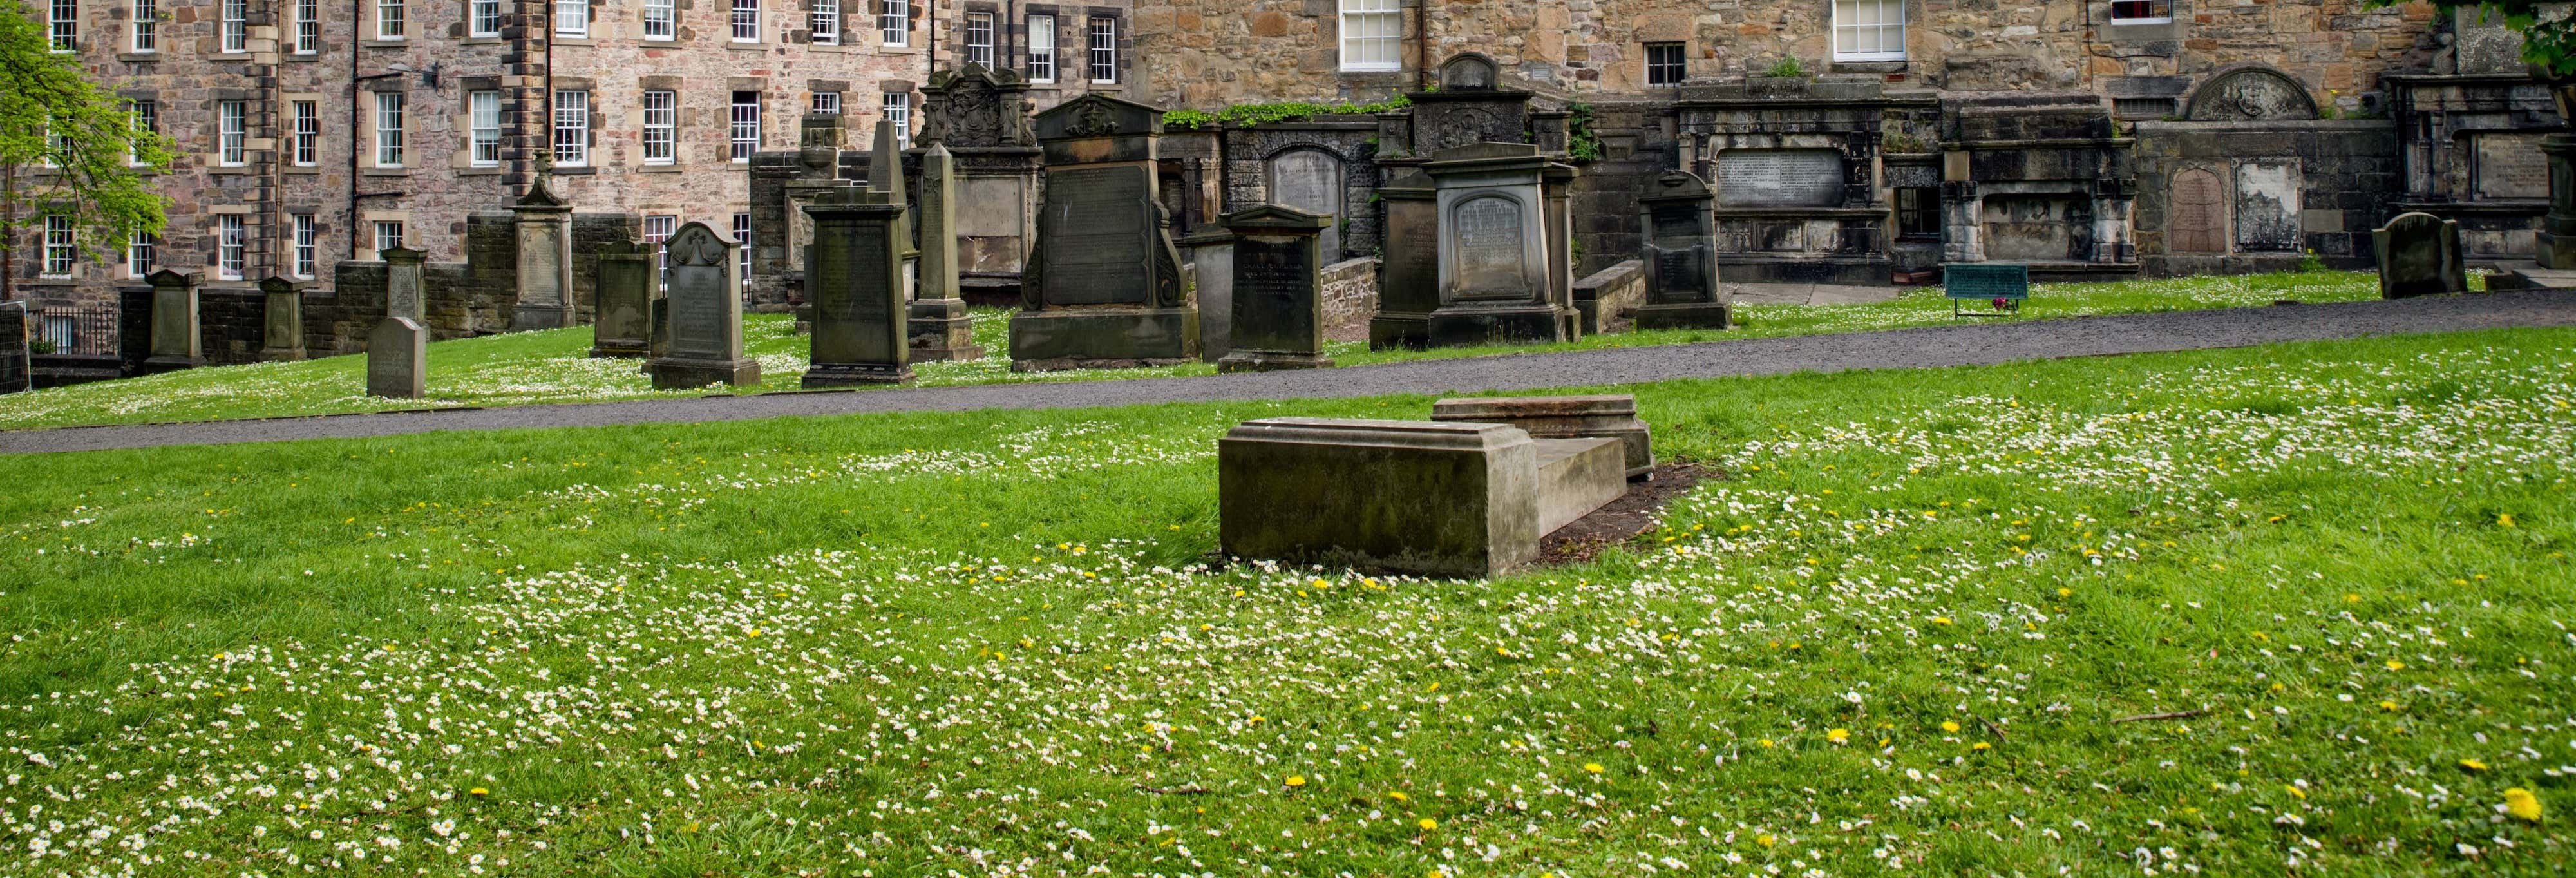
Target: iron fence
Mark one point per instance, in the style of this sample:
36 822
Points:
78 329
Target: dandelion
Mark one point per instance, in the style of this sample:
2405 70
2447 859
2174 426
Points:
1427 824
1295 780
478 791
2396 665
1838 736
1981 746
1593 768
1765 840
1399 796
2389 706
2473 765
2522 805
1949 726
2504 520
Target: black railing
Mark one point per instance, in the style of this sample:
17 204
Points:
77 329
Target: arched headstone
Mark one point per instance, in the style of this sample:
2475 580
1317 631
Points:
1313 181
1467 70
2251 93
2197 221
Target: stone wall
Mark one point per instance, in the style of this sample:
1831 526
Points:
2235 196
1610 294
1350 292
232 324
1330 166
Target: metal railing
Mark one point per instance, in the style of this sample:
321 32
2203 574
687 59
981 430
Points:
77 329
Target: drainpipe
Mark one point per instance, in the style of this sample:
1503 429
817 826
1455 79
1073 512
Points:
1422 45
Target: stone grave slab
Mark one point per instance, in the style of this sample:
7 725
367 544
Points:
628 286
854 278
176 335
281 333
1780 177
2419 255
1496 273
705 308
1589 416
398 359
403 284
545 260
1104 286
1409 272
1278 290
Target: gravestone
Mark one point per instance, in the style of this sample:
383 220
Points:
398 359
1780 178
1470 107
15 367
885 175
1311 180
940 327
1409 272
854 278
983 117
2198 217
2267 205
2251 94
1599 416
705 323
1278 316
2555 246
545 260
281 320
1211 255
628 285
1495 268
2419 255
1104 287
1556 191
1679 224
175 331
2508 165
403 288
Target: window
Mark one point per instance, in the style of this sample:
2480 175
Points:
658 17
141 252
572 128
894 20
483 128
825 22
1918 212
1104 50
308 26
63 24
305 150
236 25
1372 34
57 145
746 125
572 18
2141 11
826 103
742 235
1041 48
232 243
486 19
979 39
746 21
232 134
147 120
898 110
304 238
389 19
1869 30
389 235
1665 64
389 129
147 25
59 245
661 127
657 229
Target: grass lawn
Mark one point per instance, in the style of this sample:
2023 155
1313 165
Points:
553 366
1908 625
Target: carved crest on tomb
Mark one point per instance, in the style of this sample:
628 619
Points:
2250 94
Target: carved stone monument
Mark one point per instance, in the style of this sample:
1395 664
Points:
705 307
15 367
628 284
940 328
1496 274
403 287
2251 93
1104 287
398 359
1679 225
885 176
854 278
1556 190
2419 255
1409 273
281 320
176 342
1470 107
2198 219
1278 290
545 261
982 116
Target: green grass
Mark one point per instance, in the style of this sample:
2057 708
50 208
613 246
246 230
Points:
550 367
1903 625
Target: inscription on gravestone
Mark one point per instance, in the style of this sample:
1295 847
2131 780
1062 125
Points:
1097 244
1680 273
402 285
2267 205
2511 166
1489 241
1310 180
869 287
1677 223
2199 218
1779 178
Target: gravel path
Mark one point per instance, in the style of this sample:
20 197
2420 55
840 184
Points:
1959 345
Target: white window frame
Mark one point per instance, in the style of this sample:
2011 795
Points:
661 126
389 129
1101 50
1845 23
483 128
62 25
572 18
746 21
661 19
306 257
305 150
824 23
476 17
1371 29
897 108
1042 54
141 251
572 128
742 236
979 38
390 19
232 245
146 118
235 26
894 23
62 246
386 231
232 133
308 27
2166 18
658 229
741 118
824 103
146 26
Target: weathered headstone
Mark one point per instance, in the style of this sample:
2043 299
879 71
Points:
2267 205
2419 255
885 175
940 327
705 333
1311 180
176 343
1104 287
1278 313
628 284
15 367
403 287
1556 189
2555 246
1211 255
1470 107
1679 224
1495 268
1780 177
1597 416
398 359
545 260
854 278
983 118
2197 220
1409 273
281 320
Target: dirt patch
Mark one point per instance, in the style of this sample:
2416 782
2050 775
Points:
1620 520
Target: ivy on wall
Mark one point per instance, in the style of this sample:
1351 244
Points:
1251 115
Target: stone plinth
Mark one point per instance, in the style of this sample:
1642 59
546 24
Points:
1404 496
405 293
1576 476
545 261
398 359
1677 218
176 334
854 279
703 332
1603 416
2419 255
940 328
1497 278
628 285
1278 292
1104 287
281 320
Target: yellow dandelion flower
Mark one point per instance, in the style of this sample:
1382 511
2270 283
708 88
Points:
1765 840
2504 521
1838 736
2396 665
2389 706
478 791
2296 793
1295 780
1767 743
1427 824
2473 765
1593 768
2522 804
1949 726
1981 746
1399 796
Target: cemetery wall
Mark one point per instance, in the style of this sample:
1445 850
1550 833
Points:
1350 292
232 324
2216 196
1324 166
1609 294
1635 148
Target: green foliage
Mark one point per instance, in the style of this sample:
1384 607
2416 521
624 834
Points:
2309 263
1788 68
1249 115
40 346
1581 143
68 146
2548 31
1899 141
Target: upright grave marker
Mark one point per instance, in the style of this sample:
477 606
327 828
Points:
1409 274
1496 274
403 296
282 320
15 368
545 261
2419 255
176 339
885 175
854 278
628 285
1680 227
398 359
705 332
1278 316
1104 287
940 329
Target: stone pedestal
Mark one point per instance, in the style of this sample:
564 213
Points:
704 332
282 320
1678 221
545 261
1104 287
1603 416
940 328
176 334
398 359
1409 276
2556 243
854 279
628 285
1497 281
1278 291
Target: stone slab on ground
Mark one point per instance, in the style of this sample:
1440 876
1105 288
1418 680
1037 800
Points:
2527 275
1576 476
1412 497
1809 294
1598 416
